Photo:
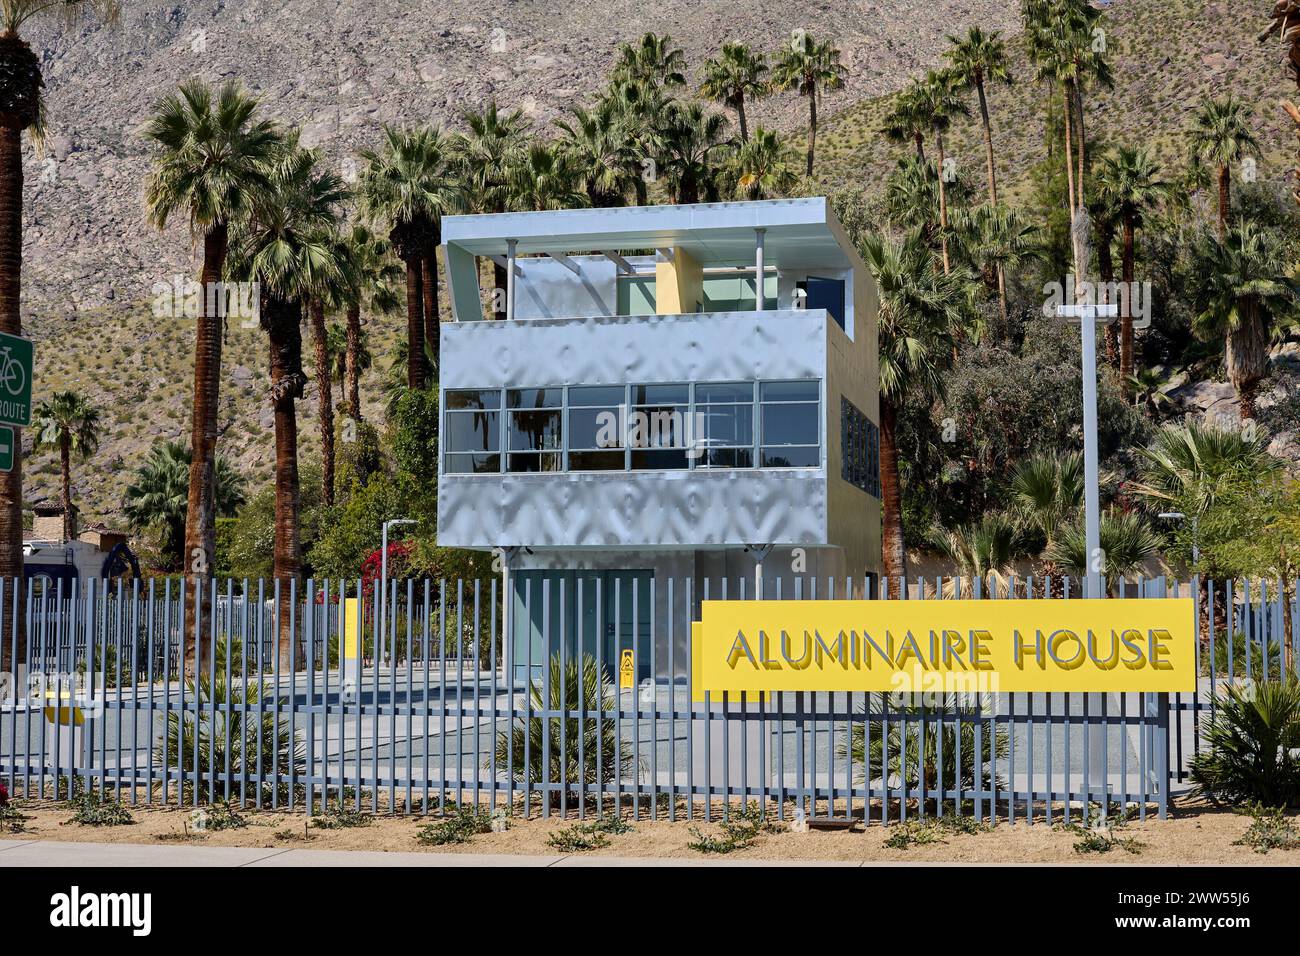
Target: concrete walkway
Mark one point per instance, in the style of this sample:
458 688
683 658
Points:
53 853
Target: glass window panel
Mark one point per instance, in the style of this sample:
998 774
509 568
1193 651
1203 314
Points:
472 399
658 426
473 464
659 394
473 431
724 392
594 428
794 424
596 461
596 395
791 391
727 424
728 458
535 430
791 457
535 397
659 460
533 462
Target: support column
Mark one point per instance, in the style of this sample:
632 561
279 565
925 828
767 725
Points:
510 277
759 236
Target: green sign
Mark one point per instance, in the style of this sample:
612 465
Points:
7 440
15 380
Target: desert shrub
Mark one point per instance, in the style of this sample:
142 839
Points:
92 810
600 757
898 752
588 836
1269 830
232 741
1098 835
456 828
337 816
1250 744
736 833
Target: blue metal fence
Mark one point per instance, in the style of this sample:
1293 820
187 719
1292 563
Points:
431 717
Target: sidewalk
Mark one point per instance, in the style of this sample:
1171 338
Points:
52 853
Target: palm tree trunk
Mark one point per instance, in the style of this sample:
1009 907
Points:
1082 138
812 128
1126 307
65 487
1067 116
325 399
893 549
200 514
351 360
11 483
988 142
740 115
414 322
1246 349
1225 201
284 327
499 274
920 147
1002 296
1106 267
432 317
943 206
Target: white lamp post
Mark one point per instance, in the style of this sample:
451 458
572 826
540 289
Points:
383 574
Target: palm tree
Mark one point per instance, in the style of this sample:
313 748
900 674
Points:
1186 465
157 495
408 187
1220 138
1127 542
920 313
484 153
942 101
908 119
651 59
735 74
996 240
21 108
372 287
984 549
1129 184
69 423
1242 293
980 58
544 177
762 170
1048 489
211 155
600 144
808 67
286 246
341 354
694 141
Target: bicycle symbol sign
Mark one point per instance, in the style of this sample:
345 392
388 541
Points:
15 380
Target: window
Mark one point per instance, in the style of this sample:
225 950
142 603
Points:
657 426
473 432
791 432
860 438
725 415
593 444
639 427
535 429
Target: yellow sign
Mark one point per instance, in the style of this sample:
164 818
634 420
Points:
959 646
626 670
351 636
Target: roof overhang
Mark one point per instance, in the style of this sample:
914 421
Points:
800 233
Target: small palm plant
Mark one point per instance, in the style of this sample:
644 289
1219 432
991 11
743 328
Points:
1251 744
576 684
907 754
229 740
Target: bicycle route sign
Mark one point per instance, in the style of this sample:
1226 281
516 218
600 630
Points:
15 380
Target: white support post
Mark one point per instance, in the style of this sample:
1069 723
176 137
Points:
759 236
511 244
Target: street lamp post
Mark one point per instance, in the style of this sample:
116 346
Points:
1087 314
383 573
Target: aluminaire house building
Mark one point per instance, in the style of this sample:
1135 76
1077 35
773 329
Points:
677 392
